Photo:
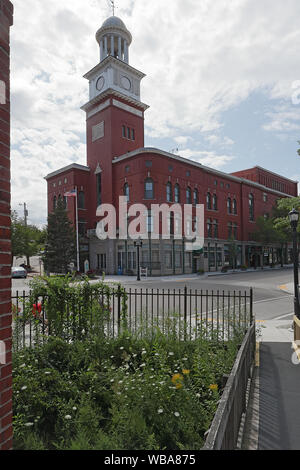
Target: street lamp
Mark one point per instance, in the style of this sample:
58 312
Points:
138 244
294 219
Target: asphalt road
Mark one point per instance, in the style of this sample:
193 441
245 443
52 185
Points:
270 302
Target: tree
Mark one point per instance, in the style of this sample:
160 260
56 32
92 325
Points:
60 248
27 240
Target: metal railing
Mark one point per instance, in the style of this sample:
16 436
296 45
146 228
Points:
224 430
185 313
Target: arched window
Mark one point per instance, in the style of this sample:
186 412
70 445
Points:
59 201
149 189
127 191
81 200
65 202
177 193
215 202
169 192
189 196
251 207
229 206
54 203
196 197
234 207
208 201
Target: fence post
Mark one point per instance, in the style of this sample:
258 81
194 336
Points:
251 306
119 308
185 312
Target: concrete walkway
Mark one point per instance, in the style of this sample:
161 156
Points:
273 415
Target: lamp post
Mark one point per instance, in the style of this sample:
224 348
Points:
294 219
138 244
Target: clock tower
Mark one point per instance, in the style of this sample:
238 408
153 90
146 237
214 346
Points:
114 112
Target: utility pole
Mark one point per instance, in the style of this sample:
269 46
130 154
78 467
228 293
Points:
25 213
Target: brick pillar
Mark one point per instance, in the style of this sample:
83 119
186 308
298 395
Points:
6 19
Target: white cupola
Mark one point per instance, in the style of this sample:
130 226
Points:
114 39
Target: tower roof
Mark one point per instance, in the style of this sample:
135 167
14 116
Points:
114 24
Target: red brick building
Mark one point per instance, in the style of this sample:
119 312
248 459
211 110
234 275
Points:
6 20
118 164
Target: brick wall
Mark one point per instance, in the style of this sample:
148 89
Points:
6 16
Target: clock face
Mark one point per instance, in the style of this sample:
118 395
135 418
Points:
126 83
100 83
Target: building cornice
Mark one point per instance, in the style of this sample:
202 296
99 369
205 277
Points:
187 161
110 59
73 166
111 92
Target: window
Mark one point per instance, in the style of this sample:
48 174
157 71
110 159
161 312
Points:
209 228
169 192
126 191
216 229
235 231
230 230
234 207
150 222
65 202
149 189
101 261
216 183
188 196
128 133
215 202
229 206
265 198
170 168
65 180
251 207
81 200
81 227
168 259
188 174
149 164
208 201
54 203
99 189
127 169
196 197
177 193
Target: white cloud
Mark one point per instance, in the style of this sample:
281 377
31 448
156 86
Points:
201 59
210 159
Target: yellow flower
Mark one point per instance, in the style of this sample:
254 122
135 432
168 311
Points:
186 371
177 380
213 387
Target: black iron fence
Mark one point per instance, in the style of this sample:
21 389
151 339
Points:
186 314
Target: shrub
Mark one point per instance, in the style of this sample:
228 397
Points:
120 394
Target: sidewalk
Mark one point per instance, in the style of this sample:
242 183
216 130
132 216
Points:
187 277
273 414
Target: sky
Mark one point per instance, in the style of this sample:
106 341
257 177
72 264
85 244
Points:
222 82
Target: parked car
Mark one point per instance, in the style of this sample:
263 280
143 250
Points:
18 273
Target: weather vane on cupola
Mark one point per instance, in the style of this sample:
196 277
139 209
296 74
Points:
113 6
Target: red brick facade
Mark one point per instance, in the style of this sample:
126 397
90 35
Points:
6 18
118 163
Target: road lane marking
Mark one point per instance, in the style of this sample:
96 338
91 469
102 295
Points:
283 316
272 299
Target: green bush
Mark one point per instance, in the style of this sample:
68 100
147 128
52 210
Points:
121 394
